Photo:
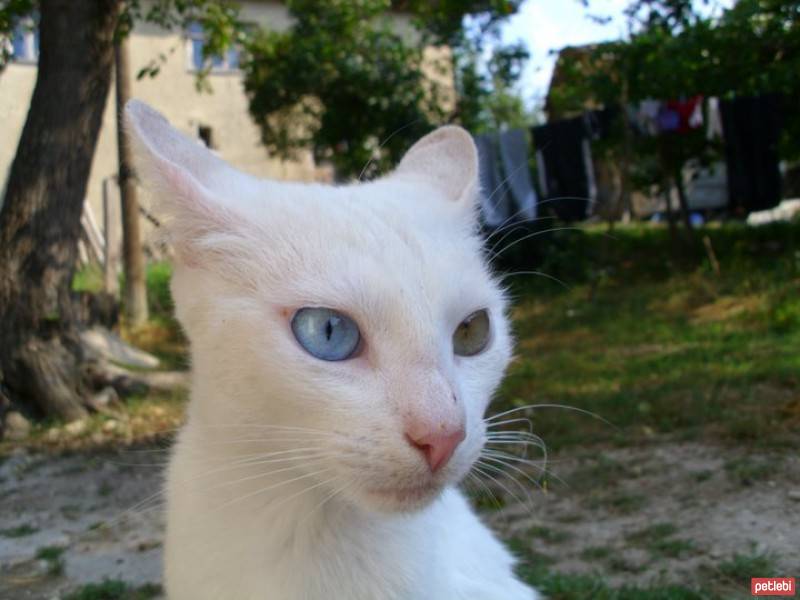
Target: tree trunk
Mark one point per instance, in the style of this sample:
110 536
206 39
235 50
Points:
684 202
132 256
40 356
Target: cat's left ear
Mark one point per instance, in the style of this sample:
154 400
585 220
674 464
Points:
446 159
194 190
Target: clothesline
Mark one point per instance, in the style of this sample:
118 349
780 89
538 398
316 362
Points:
748 126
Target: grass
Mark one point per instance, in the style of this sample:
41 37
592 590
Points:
658 346
746 471
115 590
53 556
659 540
19 531
741 567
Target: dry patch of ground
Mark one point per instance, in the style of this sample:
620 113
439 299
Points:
666 512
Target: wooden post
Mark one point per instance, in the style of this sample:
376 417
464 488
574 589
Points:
135 300
111 229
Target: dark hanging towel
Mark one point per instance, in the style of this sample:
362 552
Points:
565 171
495 198
751 127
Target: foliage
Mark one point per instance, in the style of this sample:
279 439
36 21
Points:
443 19
486 98
341 80
347 81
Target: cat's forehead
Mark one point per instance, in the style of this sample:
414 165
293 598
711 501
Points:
383 241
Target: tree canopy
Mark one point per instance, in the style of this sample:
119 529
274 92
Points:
356 80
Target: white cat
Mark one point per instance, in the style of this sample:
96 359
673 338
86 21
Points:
345 344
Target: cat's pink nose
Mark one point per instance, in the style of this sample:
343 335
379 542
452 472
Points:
437 446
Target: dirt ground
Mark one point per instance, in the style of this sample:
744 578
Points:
669 512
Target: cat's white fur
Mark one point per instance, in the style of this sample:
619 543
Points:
292 479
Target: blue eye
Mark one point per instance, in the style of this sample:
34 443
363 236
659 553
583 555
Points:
325 333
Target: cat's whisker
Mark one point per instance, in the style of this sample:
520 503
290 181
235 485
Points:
136 510
514 468
263 440
500 185
262 426
476 471
160 465
491 424
524 445
383 143
512 435
550 405
540 465
485 487
507 224
496 254
271 487
536 274
505 236
484 465
253 461
305 491
309 461
325 500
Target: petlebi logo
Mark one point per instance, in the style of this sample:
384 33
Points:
772 586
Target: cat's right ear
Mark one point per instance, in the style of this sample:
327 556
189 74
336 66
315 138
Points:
189 183
446 159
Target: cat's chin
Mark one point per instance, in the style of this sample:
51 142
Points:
402 498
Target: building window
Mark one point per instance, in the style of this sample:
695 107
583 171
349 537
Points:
229 62
206 134
25 41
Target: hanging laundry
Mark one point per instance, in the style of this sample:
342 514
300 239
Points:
714 119
683 115
669 119
514 154
600 123
645 116
565 167
495 201
752 129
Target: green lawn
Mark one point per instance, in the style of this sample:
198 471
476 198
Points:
659 345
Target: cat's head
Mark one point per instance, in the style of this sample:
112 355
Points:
360 321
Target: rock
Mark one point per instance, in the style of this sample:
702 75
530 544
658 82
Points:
16 427
107 345
106 401
109 426
794 495
75 428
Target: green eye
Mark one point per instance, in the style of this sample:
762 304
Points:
472 336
